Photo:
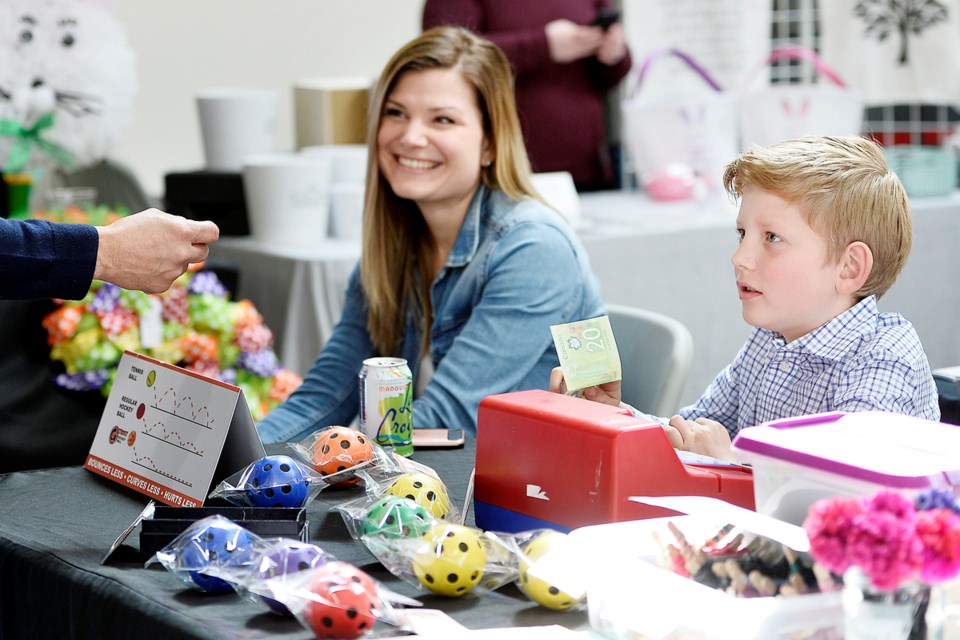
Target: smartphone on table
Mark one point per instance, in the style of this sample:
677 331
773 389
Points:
438 438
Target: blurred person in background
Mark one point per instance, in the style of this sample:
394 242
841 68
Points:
566 58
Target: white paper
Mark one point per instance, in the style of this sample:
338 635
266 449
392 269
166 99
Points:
702 30
911 67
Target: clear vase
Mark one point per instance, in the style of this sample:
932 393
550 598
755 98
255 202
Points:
876 614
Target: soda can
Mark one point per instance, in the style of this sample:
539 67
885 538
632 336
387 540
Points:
386 403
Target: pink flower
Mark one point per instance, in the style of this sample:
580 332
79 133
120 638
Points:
939 532
829 525
885 547
890 502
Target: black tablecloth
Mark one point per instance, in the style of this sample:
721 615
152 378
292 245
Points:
57 524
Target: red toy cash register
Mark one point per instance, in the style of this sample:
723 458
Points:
549 460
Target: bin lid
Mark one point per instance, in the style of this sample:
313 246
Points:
894 450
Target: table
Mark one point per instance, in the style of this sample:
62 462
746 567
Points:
56 525
673 258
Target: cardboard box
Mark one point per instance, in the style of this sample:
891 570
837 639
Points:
797 461
331 111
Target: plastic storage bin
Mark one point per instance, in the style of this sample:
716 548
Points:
924 171
797 461
630 596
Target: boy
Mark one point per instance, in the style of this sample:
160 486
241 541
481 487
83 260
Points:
824 230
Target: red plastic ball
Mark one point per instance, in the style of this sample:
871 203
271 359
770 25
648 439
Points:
345 602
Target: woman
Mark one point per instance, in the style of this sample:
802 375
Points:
464 268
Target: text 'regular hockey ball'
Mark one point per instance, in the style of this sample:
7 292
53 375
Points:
451 560
221 543
424 489
396 517
277 481
344 603
539 591
338 449
287 557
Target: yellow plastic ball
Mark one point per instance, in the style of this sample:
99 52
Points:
424 489
451 561
543 593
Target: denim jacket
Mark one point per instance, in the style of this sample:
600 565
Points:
515 269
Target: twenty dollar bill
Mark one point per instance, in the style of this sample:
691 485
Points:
588 353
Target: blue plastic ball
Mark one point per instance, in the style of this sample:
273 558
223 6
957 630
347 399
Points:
220 543
277 481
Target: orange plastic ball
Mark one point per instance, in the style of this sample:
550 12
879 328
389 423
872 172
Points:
338 449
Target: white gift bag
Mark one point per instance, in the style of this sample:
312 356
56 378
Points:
694 130
783 111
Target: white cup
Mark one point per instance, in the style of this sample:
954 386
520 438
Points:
288 198
235 123
346 211
349 161
558 189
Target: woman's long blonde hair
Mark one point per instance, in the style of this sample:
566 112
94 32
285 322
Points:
396 242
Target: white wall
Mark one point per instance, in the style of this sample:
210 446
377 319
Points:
186 45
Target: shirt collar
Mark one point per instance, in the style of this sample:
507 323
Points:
836 337
465 246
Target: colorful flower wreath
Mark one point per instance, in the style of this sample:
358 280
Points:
194 325
890 538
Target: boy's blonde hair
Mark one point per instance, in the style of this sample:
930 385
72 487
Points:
845 191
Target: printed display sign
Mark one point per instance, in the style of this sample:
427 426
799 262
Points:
169 433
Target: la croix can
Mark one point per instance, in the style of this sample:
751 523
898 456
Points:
386 403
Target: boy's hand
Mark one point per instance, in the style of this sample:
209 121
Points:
607 393
707 437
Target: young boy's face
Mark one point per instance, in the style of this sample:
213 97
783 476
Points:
783 277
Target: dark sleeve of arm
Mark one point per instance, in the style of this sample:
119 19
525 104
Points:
40 259
608 77
526 49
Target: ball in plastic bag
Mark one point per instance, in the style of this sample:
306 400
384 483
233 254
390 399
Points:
277 481
338 449
287 557
453 560
221 543
344 604
396 517
424 489
541 592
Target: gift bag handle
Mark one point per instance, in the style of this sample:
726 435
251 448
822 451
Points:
693 64
798 53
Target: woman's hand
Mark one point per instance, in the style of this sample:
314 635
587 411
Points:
613 47
569 41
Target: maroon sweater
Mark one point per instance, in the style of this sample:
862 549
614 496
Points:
561 106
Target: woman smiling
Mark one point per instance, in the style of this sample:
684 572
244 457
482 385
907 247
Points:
464 267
